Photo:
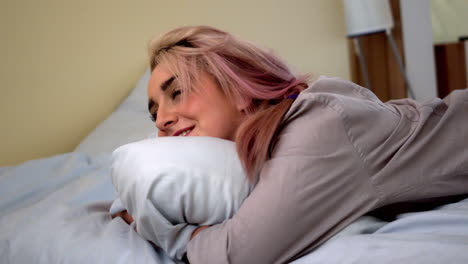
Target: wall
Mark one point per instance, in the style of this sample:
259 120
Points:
67 64
449 20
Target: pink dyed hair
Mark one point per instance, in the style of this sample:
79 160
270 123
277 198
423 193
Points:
250 75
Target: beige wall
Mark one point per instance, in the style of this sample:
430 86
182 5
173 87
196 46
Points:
66 64
449 20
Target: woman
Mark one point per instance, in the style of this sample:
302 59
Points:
323 154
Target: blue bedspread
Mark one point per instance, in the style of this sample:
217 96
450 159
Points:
55 210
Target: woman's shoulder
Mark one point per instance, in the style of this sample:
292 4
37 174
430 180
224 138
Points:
332 104
338 95
337 87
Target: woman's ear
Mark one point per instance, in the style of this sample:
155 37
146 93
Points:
243 106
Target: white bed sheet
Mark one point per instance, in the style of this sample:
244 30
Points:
432 237
55 210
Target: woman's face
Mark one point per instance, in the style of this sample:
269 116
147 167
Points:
207 112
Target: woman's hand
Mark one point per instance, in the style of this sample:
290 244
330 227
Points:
129 219
198 230
125 216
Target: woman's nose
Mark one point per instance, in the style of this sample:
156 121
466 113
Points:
165 119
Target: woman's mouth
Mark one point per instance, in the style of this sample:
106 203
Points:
184 132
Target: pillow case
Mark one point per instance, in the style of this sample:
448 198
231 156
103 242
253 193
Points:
171 185
128 123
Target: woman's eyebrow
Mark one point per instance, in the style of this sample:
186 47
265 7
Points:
163 87
167 83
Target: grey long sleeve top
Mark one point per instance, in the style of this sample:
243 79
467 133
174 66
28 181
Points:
341 153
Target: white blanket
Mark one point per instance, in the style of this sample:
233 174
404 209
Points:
55 210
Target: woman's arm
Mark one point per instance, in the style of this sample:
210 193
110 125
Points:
198 230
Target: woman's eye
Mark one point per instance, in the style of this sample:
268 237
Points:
153 117
175 94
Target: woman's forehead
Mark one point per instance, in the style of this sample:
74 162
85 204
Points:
159 75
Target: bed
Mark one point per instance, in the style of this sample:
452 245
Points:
56 210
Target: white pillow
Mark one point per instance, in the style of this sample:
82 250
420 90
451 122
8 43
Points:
128 123
172 184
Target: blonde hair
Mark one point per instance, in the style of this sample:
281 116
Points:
248 74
